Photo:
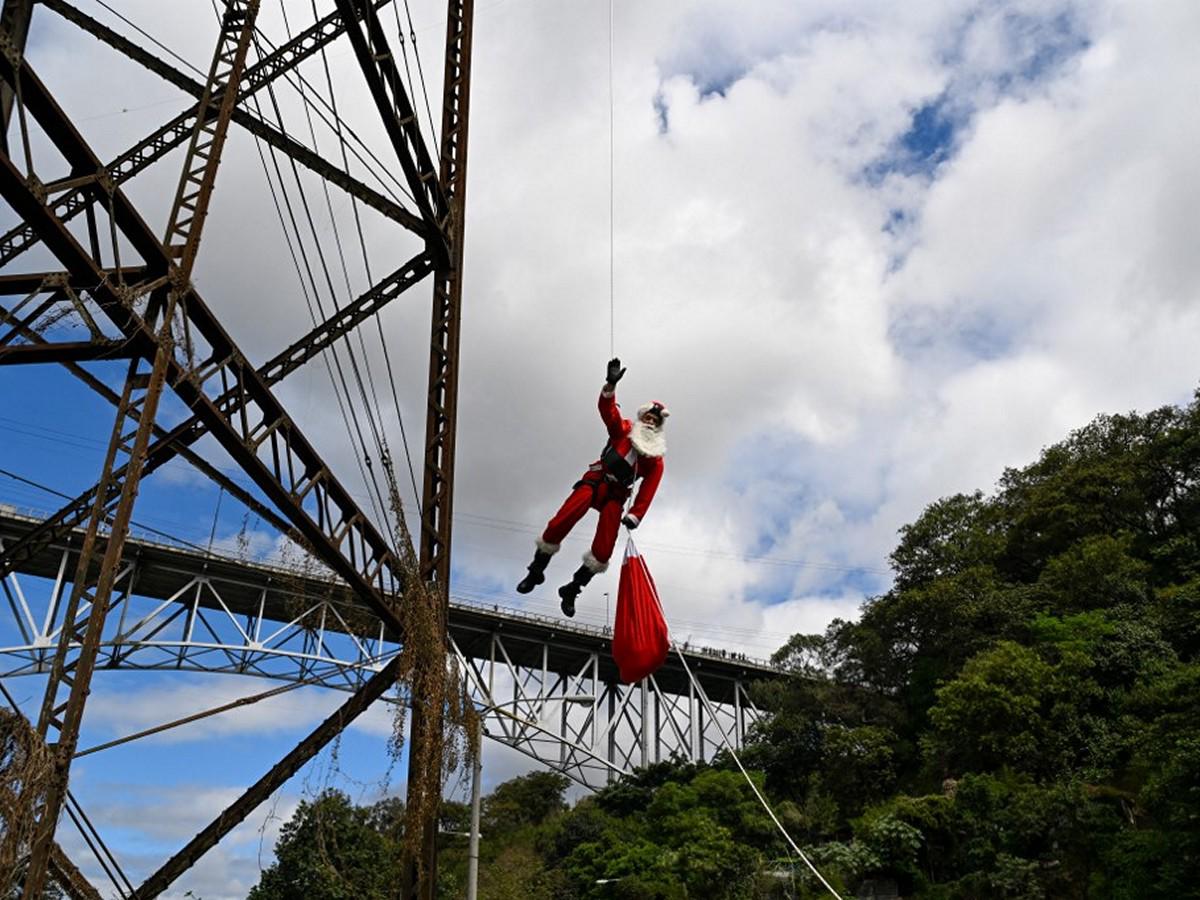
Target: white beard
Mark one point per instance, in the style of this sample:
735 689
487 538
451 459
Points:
648 440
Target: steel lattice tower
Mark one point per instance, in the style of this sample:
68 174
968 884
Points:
147 310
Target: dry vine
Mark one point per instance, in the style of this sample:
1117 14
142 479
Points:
26 773
437 690
429 680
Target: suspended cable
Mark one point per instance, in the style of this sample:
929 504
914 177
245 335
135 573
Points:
152 39
611 193
304 267
225 707
85 827
733 754
387 358
295 79
337 236
412 33
374 419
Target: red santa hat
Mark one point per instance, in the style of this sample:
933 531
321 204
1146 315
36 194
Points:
655 406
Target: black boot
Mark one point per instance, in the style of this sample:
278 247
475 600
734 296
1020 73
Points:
570 591
537 572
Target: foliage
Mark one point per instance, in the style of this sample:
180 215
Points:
672 830
26 775
525 800
333 850
1024 695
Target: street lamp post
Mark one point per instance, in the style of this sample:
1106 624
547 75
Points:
476 778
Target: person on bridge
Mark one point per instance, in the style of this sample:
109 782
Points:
634 450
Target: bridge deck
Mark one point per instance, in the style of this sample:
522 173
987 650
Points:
530 640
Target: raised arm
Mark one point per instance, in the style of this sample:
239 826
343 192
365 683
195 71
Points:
609 412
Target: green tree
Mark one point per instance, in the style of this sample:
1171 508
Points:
524 800
329 850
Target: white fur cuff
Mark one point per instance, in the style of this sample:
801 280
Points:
546 546
589 560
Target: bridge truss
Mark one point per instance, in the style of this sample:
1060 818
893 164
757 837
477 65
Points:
547 687
80 593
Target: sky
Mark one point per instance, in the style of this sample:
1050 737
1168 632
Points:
869 254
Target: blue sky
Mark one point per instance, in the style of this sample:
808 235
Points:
869 255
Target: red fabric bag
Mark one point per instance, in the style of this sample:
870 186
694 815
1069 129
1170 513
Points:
640 641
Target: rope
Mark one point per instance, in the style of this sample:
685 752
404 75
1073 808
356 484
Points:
611 192
733 753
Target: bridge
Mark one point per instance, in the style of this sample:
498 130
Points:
111 299
548 687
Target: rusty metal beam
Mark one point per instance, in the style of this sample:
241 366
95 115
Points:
69 681
442 408
419 876
236 812
66 351
178 439
179 129
199 176
95 575
243 415
28 283
255 430
399 118
14 29
69 878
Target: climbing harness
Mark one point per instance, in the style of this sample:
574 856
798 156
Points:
618 469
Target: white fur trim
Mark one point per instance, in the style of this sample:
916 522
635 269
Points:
648 440
605 392
546 546
589 560
636 520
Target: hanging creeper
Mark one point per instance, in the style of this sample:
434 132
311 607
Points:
635 449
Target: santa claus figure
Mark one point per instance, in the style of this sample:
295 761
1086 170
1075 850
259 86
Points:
634 450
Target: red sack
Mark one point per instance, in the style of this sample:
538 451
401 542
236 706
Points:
640 642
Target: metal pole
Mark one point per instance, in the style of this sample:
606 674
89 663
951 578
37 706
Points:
473 851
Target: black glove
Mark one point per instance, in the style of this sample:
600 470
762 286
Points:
615 371
629 522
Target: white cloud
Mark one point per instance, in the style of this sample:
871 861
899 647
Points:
844 330
115 710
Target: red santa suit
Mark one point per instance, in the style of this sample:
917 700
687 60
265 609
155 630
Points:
634 450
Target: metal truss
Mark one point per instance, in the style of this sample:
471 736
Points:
150 314
546 687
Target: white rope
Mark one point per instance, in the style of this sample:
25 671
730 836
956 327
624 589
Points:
725 741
